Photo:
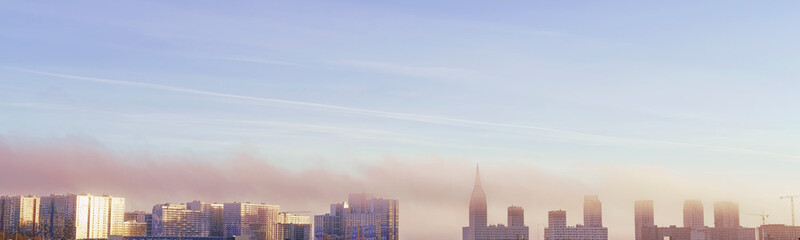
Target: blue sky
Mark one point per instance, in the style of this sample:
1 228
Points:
702 88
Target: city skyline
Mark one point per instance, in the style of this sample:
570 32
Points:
300 103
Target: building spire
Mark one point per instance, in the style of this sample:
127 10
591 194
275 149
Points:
477 176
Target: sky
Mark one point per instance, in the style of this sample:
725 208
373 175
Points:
300 103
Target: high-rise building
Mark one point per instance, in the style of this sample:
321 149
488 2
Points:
778 232
329 226
693 214
132 228
177 220
516 216
363 216
643 218
591 230
214 213
293 227
251 220
19 215
557 219
478 229
81 216
726 221
726 215
592 211
140 217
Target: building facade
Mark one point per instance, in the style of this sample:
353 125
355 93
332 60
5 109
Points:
19 215
644 217
215 214
294 227
140 217
177 220
251 221
778 232
591 230
81 216
363 216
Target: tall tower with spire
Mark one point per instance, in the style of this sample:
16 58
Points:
477 204
477 228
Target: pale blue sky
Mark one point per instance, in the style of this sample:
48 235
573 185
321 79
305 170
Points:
698 87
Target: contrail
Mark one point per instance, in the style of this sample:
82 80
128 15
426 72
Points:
406 116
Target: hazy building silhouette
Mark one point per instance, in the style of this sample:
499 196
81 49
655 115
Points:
557 223
592 211
516 216
726 219
693 214
778 232
363 216
644 219
726 214
478 229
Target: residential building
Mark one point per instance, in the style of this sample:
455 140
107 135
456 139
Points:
141 217
19 215
81 216
214 213
294 227
251 220
177 220
363 216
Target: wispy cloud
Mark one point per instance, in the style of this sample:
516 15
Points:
262 61
441 73
422 118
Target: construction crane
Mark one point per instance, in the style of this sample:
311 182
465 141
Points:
791 199
763 216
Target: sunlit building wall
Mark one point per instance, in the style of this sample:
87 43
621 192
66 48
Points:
363 216
141 217
81 216
294 227
19 215
214 213
177 220
250 220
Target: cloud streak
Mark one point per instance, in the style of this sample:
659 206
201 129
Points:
420 118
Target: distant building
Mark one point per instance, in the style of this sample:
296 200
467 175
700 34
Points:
478 228
726 215
19 215
643 218
363 216
140 217
726 219
177 220
81 216
214 213
251 220
133 228
294 227
592 230
778 232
